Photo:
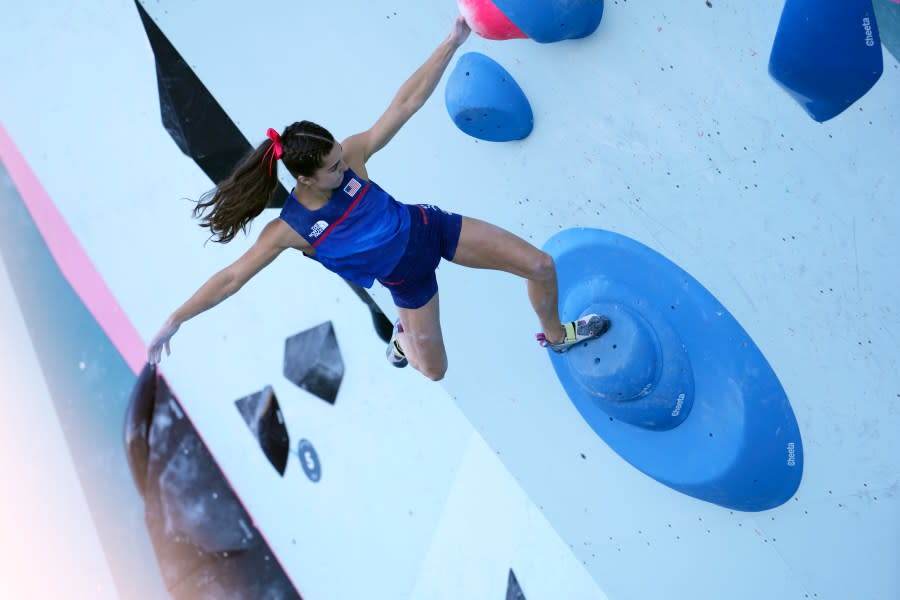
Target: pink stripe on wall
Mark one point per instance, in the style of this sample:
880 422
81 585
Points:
74 263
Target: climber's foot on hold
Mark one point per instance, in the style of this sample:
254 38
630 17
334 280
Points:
394 352
585 328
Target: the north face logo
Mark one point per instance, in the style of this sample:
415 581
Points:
317 229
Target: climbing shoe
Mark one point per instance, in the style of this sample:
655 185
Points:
394 353
585 328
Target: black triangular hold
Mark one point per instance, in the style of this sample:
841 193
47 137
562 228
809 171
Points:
263 416
199 125
513 591
312 361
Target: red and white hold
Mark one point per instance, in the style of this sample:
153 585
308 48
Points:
488 21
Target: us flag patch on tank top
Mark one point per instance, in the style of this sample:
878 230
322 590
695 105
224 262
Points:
352 187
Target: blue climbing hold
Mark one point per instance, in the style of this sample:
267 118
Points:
638 371
826 54
549 21
676 386
485 102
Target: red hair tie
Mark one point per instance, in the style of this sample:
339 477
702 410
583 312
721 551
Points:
276 150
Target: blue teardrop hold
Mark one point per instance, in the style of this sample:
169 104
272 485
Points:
485 101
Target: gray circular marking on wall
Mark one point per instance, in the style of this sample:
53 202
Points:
309 460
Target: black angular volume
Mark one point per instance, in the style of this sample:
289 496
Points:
193 117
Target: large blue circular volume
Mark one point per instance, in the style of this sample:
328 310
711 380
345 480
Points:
676 386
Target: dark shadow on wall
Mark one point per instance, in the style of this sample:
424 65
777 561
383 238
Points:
205 541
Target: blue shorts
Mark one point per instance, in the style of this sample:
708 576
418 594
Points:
433 233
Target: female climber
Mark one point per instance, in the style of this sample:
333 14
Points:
337 216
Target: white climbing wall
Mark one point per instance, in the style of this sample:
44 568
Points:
663 126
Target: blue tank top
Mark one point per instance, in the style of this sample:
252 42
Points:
361 233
